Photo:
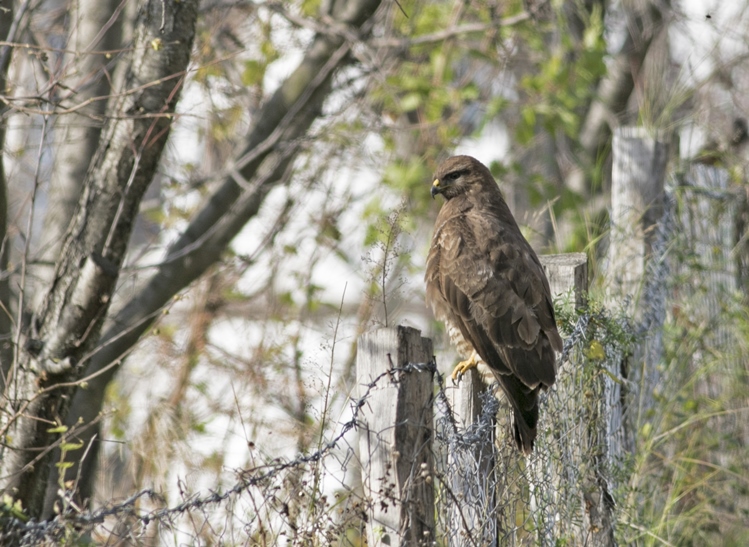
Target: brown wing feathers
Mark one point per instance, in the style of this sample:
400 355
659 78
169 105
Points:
486 282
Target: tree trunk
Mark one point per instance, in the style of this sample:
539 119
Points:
6 325
95 26
66 327
607 109
268 152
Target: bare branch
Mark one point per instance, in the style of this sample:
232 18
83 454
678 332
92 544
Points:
436 37
326 25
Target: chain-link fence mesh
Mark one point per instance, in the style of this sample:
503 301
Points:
569 492
313 500
549 497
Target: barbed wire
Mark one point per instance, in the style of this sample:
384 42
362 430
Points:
454 440
32 532
461 456
506 499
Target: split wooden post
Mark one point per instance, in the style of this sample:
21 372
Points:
395 438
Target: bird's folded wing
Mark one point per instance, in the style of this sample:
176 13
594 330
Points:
491 278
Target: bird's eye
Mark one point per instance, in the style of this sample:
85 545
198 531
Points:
455 175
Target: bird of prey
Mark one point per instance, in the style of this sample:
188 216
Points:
486 283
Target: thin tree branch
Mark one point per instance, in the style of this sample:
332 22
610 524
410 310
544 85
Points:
326 25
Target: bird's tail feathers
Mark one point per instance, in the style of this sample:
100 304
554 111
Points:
525 435
524 401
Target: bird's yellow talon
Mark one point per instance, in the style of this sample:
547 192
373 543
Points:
464 366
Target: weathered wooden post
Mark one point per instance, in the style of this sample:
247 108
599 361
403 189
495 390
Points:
567 272
483 511
395 438
472 466
635 261
638 176
707 213
556 452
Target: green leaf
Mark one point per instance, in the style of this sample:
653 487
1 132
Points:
595 351
439 62
310 7
254 72
286 298
495 106
410 101
469 92
529 116
15 508
371 235
269 51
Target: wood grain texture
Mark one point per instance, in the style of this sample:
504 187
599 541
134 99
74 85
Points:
395 437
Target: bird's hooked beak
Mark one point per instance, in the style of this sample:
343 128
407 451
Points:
436 188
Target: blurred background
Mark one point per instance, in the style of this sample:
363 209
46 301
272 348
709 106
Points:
250 357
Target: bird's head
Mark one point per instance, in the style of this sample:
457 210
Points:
460 174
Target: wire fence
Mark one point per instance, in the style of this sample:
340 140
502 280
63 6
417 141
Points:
310 500
540 500
566 493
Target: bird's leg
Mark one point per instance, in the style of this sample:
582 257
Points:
464 366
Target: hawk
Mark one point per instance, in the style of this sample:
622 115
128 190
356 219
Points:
487 285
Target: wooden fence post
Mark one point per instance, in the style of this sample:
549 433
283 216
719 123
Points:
708 209
637 205
562 409
472 480
395 438
567 272
485 514
638 177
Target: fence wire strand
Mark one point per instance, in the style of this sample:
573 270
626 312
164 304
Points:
461 454
487 494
